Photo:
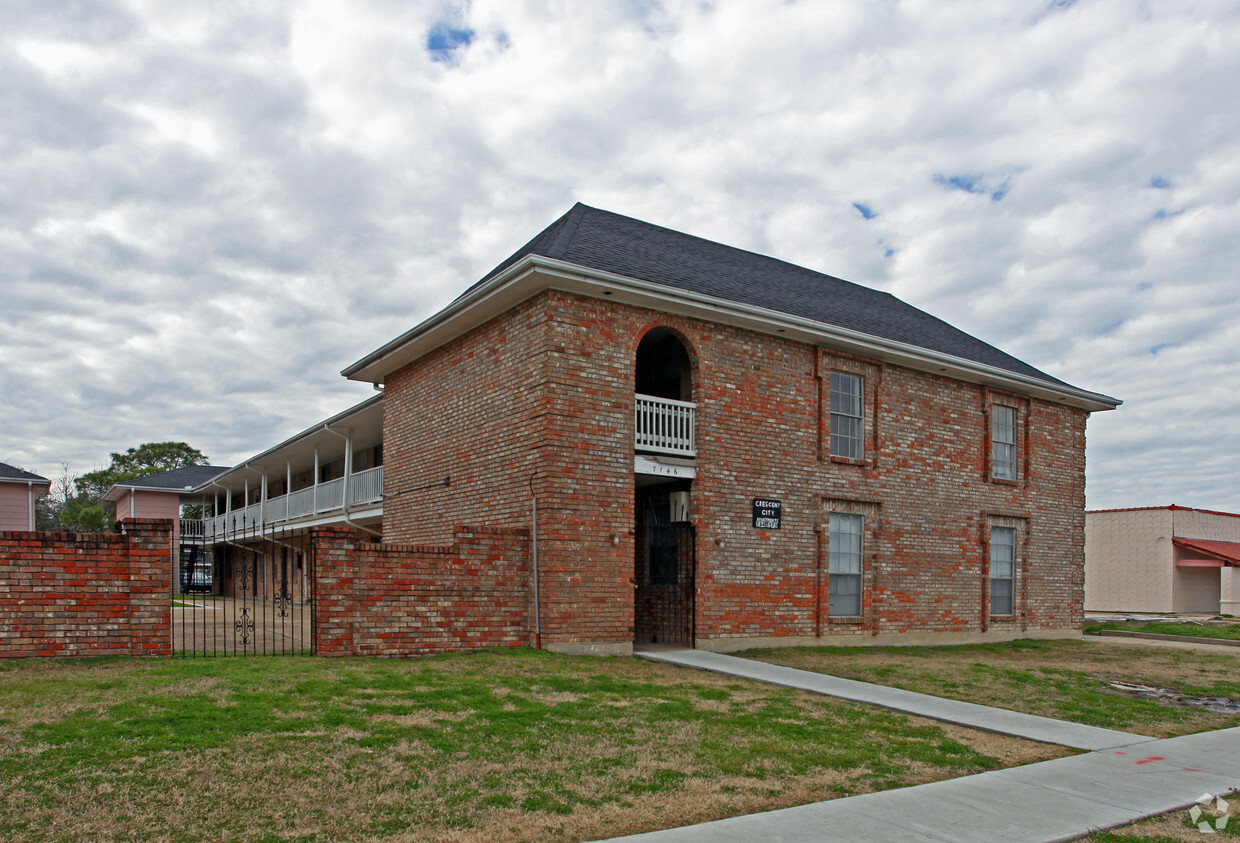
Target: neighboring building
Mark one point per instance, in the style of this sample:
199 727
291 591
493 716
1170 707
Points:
726 451
161 496
269 501
19 489
1162 559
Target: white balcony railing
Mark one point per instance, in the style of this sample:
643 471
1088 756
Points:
330 496
666 426
366 485
325 498
300 502
276 509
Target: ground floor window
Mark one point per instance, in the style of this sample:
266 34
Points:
1002 570
844 564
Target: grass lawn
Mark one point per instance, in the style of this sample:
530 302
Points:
1228 631
1065 679
512 745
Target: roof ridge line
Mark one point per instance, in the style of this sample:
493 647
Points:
566 233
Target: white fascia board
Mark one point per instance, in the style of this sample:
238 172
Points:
536 273
114 493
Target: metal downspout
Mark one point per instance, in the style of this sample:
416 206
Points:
534 562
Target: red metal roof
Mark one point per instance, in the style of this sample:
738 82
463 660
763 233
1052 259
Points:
1226 551
1173 508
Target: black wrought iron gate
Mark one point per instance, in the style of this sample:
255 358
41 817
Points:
665 574
239 589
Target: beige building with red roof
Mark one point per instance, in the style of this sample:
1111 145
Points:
1162 559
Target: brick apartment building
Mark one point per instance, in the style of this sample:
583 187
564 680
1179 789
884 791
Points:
725 450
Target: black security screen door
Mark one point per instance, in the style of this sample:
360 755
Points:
663 602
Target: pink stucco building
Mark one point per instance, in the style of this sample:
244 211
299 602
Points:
1162 559
19 489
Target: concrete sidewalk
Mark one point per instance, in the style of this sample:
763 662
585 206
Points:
1124 779
1053 800
974 716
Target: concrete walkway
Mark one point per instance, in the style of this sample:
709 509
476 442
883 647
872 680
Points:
1063 799
974 716
1187 644
1053 800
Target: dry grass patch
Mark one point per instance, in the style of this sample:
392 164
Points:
1068 680
504 746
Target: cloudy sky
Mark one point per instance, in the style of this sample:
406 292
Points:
206 213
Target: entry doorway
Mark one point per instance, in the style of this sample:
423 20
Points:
664 567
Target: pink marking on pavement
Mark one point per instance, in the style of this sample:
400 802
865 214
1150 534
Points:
1151 759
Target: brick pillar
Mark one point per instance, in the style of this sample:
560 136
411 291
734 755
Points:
148 571
334 551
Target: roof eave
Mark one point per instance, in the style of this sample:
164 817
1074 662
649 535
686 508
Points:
258 459
535 273
27 481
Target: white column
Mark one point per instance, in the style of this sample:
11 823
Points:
348 469
1229 590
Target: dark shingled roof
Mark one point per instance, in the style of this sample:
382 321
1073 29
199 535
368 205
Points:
178 479
12 472
617 244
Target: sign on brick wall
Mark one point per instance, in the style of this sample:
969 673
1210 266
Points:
767 513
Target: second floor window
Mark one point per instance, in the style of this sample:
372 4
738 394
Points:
1003 442
847 422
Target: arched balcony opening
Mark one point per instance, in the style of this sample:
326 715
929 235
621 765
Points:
665 411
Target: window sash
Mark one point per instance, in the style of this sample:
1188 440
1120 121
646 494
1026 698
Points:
1003 442
844 564
1002 570
847 420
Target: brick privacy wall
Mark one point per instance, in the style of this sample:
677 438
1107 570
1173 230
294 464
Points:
406 600
558 395
86 594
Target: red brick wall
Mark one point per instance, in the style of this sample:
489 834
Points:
72 594
467 411
406 600
553 385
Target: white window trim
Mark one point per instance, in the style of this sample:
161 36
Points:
836 555
855 443
1003 467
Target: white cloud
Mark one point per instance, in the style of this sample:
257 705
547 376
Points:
206 213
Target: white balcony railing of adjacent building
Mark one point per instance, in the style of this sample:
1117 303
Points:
666 426
323 499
